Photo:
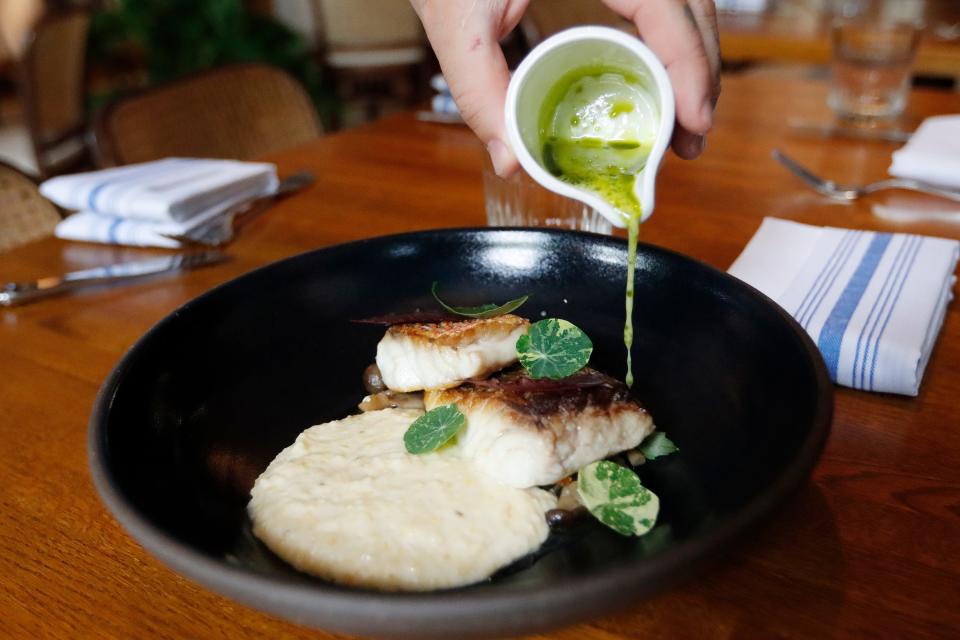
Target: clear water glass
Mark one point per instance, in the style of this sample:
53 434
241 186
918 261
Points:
521 202
874 46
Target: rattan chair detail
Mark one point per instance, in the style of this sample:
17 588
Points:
239 111
25 215
375 51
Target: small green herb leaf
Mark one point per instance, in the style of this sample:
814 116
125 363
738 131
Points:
554 349
433 429
482 311
615 497
656 445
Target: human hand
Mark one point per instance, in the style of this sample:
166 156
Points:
684 36
465 35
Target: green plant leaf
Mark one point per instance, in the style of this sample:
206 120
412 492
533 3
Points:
656 445
482 311
554 349
433 429
615 497
171 38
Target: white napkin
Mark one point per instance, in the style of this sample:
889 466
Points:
137 204
442 102
88 226
932 154
439 84
872 302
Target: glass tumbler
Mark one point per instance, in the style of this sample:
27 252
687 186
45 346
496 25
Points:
874 45
521 202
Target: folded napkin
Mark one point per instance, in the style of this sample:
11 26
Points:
872 302
932 154
439 84
442 102
137 204
88 226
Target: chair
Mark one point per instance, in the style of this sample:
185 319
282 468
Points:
17 18
373 50
25 215
544 18
52 85
239 111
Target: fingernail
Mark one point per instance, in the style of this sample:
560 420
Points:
499 156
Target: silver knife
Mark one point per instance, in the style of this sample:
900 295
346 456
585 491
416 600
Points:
15 293
856 133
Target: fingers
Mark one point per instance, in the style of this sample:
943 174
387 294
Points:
465 36
704 13
687 145
683 35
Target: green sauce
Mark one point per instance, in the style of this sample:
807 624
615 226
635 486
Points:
596 128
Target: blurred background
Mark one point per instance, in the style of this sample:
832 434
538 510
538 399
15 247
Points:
82 80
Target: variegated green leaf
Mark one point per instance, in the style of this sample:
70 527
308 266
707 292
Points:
554 349
614 495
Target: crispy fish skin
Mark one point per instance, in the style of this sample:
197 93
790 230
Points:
534 438
417 356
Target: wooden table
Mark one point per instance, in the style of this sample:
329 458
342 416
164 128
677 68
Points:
799 31
868 549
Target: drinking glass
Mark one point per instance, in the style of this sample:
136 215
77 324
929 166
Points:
874 45
521 202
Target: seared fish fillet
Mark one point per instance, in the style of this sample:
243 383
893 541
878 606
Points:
418 356
528 433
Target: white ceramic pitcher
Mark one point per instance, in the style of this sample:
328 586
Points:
548 63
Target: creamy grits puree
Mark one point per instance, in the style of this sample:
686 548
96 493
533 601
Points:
346 502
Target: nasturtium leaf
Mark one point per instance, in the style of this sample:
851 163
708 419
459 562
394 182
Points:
554 349
482 311
656 445
615 497
433 429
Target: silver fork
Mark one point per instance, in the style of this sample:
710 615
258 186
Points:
221 229
847 192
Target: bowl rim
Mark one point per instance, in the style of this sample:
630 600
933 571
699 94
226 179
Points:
523 608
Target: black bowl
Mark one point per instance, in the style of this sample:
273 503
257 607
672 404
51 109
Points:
200 405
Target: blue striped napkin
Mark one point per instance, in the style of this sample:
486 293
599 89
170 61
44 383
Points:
88 226
872 302
138 204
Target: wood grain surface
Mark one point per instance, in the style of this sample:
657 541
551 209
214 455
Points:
799 31
869 549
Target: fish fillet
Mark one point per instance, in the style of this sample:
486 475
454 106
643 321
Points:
346 502
526 437
412 357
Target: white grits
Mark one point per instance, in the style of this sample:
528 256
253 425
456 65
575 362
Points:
346 502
